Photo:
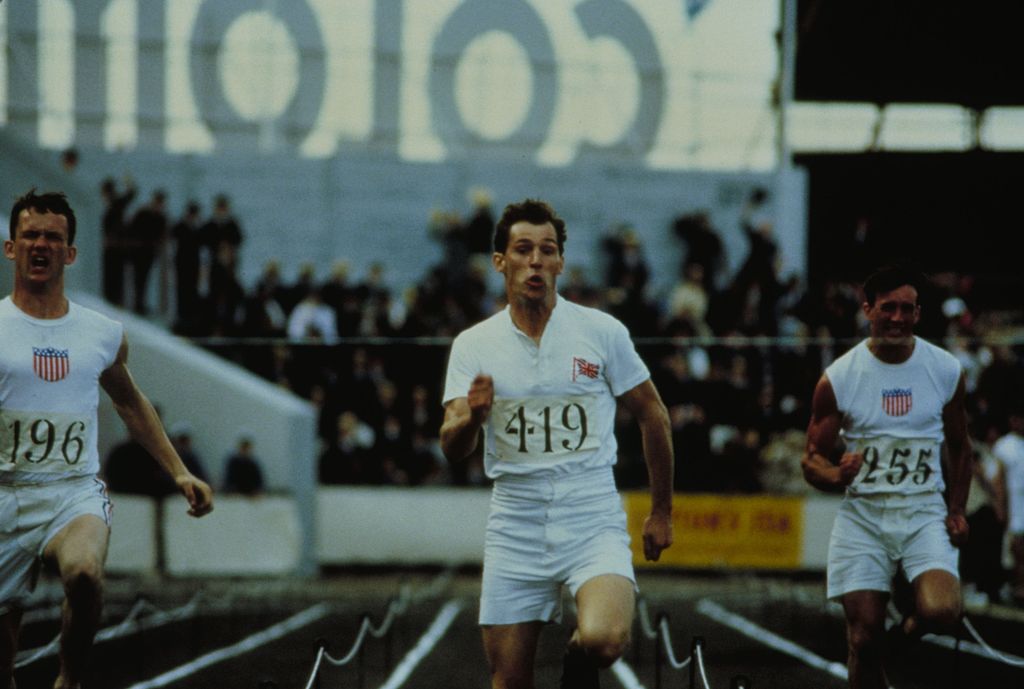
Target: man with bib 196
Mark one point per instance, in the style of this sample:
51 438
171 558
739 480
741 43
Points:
897 402
54 510
542 378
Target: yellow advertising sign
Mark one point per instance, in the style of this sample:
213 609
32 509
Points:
724 531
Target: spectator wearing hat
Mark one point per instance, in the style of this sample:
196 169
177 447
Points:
243 475
180 434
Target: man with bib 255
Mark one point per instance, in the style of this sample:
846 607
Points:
895 400
53 509
542 378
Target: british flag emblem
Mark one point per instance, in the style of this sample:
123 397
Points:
897 401
50 364
582 367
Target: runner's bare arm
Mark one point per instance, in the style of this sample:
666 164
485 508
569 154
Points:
144 425
822 435
958 444
464 417
645 404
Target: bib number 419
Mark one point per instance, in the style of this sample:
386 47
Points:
570 421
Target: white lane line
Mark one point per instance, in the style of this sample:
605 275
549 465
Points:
130 625
306 617
624 673
948 642
981 650
758 633
423 647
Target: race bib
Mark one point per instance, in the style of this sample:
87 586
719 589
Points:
48 442
543 429
903 465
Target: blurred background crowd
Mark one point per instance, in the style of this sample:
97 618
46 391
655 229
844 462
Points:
735 356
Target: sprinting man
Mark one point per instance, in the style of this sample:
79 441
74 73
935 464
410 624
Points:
53 508
542 378
894 400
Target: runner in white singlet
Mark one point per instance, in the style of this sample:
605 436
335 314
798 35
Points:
897 402
53 508
541 379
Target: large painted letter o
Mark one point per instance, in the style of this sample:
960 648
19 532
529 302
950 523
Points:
230 130
471 19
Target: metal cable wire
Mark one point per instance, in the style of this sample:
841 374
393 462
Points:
316 667
700 666
669 653
1018 662
651 633
130 623
646 628
396 608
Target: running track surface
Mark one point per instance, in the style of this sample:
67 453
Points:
245 634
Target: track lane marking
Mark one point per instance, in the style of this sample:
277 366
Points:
758 633
272 633
425 645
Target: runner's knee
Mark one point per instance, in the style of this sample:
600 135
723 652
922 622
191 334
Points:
511 678
937 615
864 639
83 579
605 645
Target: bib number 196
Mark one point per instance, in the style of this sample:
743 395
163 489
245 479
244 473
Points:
570 420
36 441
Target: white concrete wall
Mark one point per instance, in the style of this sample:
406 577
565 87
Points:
819 514
242 536
356 526
220 400
133 536
401 526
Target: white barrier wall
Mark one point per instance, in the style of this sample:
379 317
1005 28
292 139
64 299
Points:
819 514
242 536
220 400
133 541
356 526
401 525
413 526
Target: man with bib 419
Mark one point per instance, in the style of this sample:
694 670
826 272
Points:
897 402
542 379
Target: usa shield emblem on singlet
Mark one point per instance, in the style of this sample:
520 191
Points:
897 401
50 364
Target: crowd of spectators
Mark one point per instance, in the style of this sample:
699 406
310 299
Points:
205 258
738 402
735 355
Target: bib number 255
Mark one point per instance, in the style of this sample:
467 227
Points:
898 468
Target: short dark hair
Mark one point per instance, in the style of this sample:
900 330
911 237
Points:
533 211
888 278
47 202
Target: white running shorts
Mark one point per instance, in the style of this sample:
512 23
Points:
872 535
543 533
30 516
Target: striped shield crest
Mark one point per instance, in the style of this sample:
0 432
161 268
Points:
50 364
897 401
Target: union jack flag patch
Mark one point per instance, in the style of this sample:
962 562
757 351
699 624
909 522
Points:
897 401
50 364
582 367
